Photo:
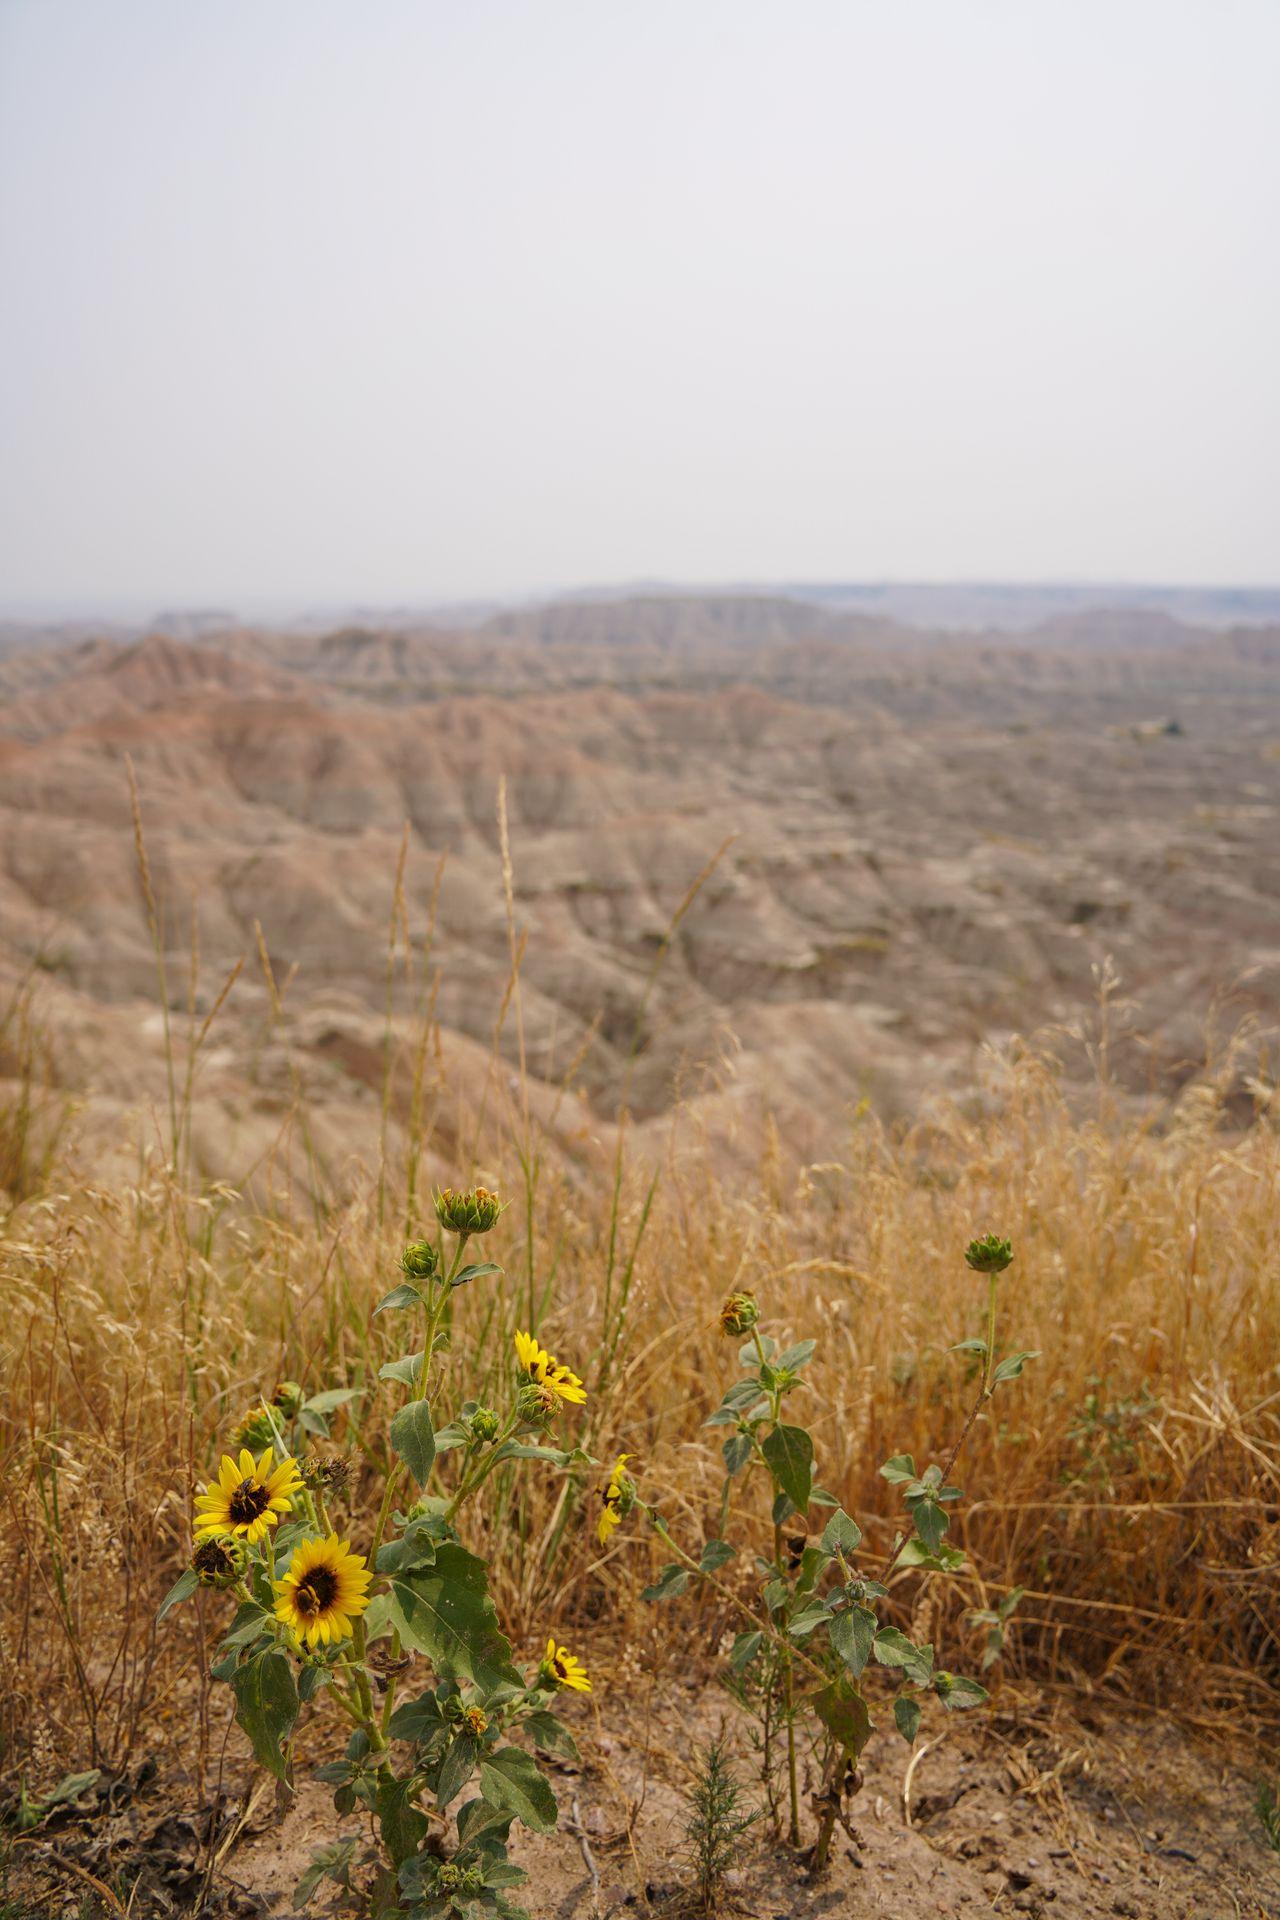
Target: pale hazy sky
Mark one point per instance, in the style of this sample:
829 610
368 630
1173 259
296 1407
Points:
338 300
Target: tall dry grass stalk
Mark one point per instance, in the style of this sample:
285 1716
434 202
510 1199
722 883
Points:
1130 1483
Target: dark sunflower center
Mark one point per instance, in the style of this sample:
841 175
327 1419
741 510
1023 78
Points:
559 1668
249 1500
316 1591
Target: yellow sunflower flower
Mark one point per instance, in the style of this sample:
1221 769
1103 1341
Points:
544 1371
325 1588
248 1496
563 1669
617 1497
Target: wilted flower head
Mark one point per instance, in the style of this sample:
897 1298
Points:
991 1254
467 1209
325 1473
419 1260
739 1313
220 1560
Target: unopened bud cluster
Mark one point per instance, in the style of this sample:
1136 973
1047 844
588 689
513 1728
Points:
467 1210
739 1313
991 1254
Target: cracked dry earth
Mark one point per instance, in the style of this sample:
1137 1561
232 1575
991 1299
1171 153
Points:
1037 1808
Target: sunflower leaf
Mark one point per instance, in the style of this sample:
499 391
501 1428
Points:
445 1612
477 1272
266 1705
511 1780
402 1296
788 1452
182 1589
401 1823
552 1735
843 1712
414 1440
407 1371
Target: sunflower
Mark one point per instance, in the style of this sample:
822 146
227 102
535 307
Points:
325 1587
547 1372
247 1497
618 1498
563 1669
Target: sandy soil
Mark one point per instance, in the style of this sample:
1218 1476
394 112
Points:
1036 1808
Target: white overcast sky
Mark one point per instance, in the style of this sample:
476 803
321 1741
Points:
377 300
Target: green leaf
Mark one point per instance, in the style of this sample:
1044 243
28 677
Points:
907 1715
957 1692
1011 1366
522 1450
716 1553
745 1649
445 1612
332 1398
456 1768
841 1534
266 1705
182 1589
474 1273
511 1781
796 1357
945 1560
968 1346
851 1633
931 1522
893 1649
843 1712
737 1452
901 1467
482 1828
551 1735
330 1861
403 1825
402 1296
416 1720
788 1452
413 1439
451 1436
806 1620
407 1371
670 1583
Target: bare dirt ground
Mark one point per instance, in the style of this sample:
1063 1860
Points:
1041 1806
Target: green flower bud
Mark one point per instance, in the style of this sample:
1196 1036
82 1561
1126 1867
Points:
484 1424
288 1398
220 1560
991 1254
739 1313
419 1260
255 1431
467 1210
537 1403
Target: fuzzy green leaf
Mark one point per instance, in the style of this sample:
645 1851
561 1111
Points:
788 1453
477 1272
906 1714
1011 1366
841 1534
402 1824
266 1705
413 1439
510 1780
670 1583
851 1633
402 1296
843 1712
893 1649
445 1612
182 1589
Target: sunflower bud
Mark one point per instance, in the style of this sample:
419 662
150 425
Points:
991 1254
419 1260
536 1403
220 1560
324 1473
288 1398
255 1431
467 1210
484 1424
739 1313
